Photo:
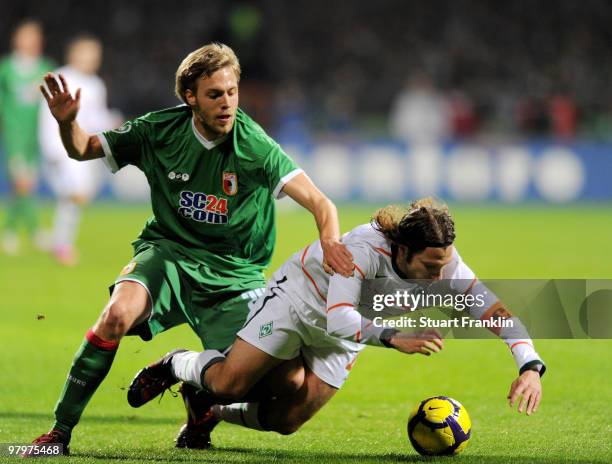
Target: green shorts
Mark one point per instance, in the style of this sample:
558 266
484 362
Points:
21 153
19 168
178 296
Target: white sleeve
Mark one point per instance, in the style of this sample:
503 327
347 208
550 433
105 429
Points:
343 319
516 337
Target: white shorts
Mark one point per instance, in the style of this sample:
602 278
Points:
68 177
274 327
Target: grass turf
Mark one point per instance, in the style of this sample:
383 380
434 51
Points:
45 310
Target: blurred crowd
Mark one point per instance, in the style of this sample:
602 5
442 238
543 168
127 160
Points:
527 68
534 68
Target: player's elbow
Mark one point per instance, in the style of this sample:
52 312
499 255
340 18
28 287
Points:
73 154
84 149
78 156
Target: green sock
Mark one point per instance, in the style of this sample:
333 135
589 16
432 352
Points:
91 364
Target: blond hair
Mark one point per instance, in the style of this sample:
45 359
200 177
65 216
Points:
203 62
426 222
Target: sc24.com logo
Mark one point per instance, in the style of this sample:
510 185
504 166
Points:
202 207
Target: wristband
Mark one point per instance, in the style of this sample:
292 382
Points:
386 335
533 366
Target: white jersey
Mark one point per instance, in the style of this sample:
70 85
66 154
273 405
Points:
339 305
65 175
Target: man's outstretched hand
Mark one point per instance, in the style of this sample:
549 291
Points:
63 106
528 388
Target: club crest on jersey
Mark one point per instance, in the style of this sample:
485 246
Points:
128 268
230 183
124 129
202 207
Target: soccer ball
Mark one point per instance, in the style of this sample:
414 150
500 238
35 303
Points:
439 426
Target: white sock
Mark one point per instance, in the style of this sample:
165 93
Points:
187 366
66 222
244 414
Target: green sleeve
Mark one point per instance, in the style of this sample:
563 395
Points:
278 169
262 156
125 145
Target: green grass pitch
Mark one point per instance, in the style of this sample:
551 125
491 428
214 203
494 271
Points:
45 311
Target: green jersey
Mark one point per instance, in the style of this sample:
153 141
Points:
213 201
19 103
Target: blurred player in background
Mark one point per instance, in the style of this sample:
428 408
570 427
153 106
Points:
20 74
309 314
74 183
213 174
420 113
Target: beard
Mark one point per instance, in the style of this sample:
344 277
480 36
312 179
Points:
211 128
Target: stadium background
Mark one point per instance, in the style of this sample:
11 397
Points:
525 160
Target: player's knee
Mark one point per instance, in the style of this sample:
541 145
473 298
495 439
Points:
115 321
127 307
288 426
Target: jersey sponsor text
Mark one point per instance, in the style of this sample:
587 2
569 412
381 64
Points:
202 207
